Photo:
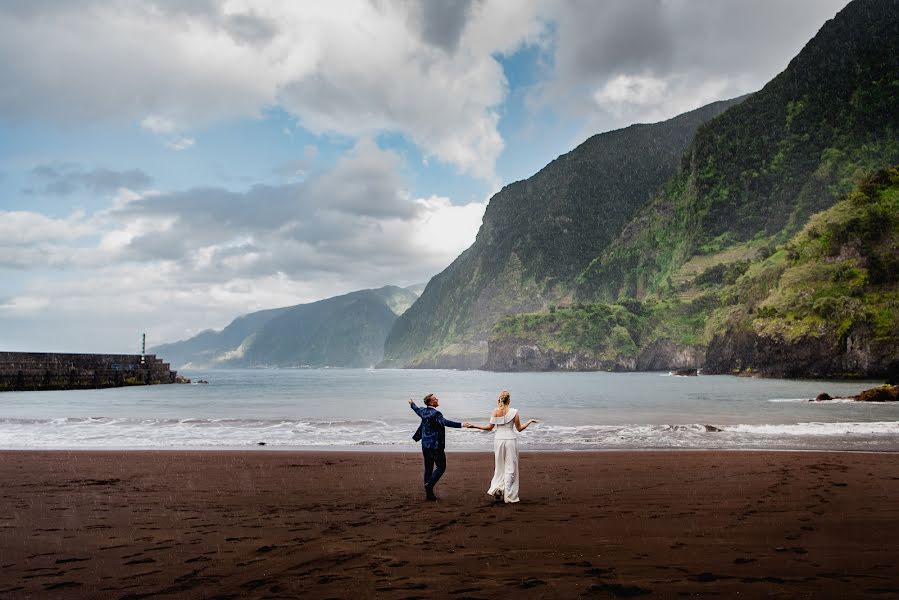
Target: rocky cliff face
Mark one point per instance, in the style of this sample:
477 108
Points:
665 355
509 354
859 354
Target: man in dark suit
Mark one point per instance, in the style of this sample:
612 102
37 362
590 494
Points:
432 433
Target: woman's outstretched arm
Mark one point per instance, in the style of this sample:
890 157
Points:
521 427
487 427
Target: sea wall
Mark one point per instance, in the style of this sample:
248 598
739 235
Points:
53 371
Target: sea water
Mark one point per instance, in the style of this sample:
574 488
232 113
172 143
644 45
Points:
367 409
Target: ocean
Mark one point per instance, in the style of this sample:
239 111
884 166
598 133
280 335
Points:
367 409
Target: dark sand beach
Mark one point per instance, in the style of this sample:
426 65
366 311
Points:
337 525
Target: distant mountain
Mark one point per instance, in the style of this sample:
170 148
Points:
537 236
344 331
416 289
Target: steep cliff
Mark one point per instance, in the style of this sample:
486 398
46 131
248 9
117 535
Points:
761 169
537 236
750 180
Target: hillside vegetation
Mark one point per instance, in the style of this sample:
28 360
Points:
824 304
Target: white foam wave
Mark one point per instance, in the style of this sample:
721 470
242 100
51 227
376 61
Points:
868 428
116 432
812 401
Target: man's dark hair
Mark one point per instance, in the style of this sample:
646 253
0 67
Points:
428 399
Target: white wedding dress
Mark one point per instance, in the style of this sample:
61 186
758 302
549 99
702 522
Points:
505 450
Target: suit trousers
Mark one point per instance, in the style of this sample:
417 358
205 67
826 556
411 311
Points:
432 457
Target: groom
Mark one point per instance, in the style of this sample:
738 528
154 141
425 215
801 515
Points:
432 433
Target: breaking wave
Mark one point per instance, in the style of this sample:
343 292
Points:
199 433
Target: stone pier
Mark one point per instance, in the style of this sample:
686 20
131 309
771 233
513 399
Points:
52 371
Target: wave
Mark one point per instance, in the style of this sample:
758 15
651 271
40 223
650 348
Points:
831 401
118 432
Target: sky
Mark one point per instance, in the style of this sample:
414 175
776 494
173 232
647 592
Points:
167 166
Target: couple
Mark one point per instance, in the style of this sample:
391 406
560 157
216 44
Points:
432 433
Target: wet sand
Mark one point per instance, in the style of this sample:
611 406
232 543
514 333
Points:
267 524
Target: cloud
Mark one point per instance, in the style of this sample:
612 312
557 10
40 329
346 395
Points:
62 179
29 239
209 254
616 63
168 130
428 71
347 215
180 143
442 22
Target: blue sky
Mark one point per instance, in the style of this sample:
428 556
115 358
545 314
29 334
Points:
166 169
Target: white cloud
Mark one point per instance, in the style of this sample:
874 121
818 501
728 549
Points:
180 143
633 98
625 90
616 63
354 67
23 228
209 255
158 124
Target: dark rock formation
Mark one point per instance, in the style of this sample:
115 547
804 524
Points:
859 354
884 393
686 372
513 354
521 355
665 355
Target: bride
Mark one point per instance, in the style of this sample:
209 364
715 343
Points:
504 485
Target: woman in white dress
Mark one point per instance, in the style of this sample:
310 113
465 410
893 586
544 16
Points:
507 423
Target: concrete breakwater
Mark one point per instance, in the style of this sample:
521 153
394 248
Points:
52 371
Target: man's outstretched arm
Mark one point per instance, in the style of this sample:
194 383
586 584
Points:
415 408
446 422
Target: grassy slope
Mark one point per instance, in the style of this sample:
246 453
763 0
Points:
839 274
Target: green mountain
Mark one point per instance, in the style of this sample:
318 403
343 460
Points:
537 236
682 276
344 331
761 169
825 304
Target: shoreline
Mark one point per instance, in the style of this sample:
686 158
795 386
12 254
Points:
250 524
417 450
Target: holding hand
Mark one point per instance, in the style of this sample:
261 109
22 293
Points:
466 424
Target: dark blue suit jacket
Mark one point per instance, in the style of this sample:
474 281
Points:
432 431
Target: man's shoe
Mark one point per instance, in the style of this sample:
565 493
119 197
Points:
429 493
498 495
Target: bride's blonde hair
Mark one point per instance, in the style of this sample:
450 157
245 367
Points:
502 402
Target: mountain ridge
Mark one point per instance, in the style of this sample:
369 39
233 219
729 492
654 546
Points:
519 264
341 331
750 182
